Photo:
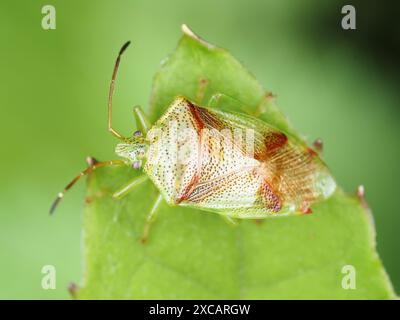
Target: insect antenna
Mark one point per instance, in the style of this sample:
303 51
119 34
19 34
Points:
111 92
88 170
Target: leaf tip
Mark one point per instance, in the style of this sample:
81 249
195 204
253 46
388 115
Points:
189 32
361 196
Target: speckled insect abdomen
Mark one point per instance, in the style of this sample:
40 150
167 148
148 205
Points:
231 164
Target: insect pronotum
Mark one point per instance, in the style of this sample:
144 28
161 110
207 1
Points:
229 163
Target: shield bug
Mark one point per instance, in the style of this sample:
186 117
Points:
225 162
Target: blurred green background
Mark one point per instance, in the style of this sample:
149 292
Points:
342 86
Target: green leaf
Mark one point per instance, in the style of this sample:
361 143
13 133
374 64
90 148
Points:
192 254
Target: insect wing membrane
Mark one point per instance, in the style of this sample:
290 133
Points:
292 175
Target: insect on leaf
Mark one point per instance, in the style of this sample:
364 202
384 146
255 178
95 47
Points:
191 254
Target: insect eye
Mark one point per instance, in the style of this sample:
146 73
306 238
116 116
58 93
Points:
136 164
137 133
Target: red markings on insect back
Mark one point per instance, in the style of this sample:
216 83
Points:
205 117
273 142
188 189
270 198
196 115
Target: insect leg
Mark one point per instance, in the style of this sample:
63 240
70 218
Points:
125 189
88 170
229 220
151 217
226 103
265 104
111 93
141 119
